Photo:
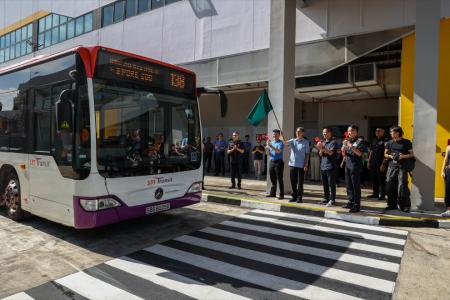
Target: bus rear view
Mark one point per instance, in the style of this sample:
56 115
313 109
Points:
123 140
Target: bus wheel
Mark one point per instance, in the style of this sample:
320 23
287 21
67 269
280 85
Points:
11 197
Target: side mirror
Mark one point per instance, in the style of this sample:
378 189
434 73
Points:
65 110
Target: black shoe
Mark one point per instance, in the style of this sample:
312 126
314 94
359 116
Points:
239 187
270 195
294 199
349 205
373 196
382 197
324 202
388 208
299 201
355 208
281 197
406 209
232 187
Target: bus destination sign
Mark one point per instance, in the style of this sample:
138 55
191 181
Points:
134 70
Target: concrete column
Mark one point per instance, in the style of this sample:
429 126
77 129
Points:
426 68
282 72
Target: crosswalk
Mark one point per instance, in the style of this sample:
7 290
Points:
258 255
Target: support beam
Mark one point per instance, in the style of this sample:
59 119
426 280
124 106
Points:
282 72
426 68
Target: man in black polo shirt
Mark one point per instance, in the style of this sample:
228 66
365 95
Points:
376 157
398 150
353 148
328 163
236 152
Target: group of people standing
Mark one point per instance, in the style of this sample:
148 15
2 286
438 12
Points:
390 162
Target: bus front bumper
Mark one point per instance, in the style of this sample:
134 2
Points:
92 219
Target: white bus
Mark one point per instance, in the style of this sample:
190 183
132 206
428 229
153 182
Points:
93 136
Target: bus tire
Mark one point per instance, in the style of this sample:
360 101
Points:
11 196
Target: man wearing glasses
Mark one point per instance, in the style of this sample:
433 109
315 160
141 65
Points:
236 151
376 157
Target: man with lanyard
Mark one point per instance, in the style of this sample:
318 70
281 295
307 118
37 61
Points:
274 150
328 166
397 151
376 157
236 152
208 149
298 163
246 159
353 148
219 150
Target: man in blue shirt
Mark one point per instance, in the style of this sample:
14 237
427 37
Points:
246 158
274 150
220 146
328 166
298 163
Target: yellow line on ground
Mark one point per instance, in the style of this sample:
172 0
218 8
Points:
385 217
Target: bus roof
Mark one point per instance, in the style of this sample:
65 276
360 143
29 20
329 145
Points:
89 57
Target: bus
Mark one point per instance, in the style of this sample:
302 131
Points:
92 136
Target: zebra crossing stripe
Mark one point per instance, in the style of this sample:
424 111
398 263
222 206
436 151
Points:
361 280
93 288
280 284
19 296
350 258
171 280
349 233
351 226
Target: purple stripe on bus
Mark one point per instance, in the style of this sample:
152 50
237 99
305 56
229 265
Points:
85 219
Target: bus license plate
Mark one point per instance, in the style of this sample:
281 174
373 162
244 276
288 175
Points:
157 208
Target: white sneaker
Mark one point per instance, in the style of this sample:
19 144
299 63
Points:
446 213
330 203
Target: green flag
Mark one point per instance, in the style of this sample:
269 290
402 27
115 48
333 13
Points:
260 110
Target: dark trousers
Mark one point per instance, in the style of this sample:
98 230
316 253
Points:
447 187
207 161
329 184
236 172
276 168
353 182
245 162
220 163
297 180
378 181
397 187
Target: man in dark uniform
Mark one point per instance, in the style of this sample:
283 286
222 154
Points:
376 157
208 149
246 158
236 152
353 148
398 151
328 166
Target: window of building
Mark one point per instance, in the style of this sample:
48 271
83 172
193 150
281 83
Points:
30 31
171 1
55 35
63 32
88 22
157 4
119 11
70 29
131 8
107 15
79 25
143 6
48 22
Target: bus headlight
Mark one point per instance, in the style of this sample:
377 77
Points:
98 204
195 188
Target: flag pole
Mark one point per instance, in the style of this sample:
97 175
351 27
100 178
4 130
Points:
273 110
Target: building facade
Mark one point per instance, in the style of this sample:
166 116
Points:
324 62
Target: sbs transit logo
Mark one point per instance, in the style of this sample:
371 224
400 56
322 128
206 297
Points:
158 180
